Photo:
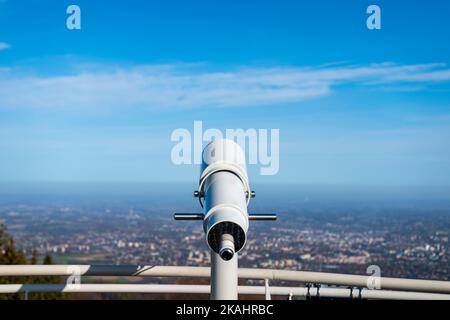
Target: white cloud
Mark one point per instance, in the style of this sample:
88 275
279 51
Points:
191 86
4 46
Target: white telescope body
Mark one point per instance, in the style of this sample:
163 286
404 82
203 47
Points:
225 189
224 194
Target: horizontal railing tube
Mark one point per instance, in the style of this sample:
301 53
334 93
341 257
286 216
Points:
205 289
243 273
347 280
103 270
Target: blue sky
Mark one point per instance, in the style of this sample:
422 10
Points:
353 106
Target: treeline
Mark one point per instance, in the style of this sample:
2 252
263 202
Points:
9 254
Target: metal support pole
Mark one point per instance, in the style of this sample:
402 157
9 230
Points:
224 277
266 285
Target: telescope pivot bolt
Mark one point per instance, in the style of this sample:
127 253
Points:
198 194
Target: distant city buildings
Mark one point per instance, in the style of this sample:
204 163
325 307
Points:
408 244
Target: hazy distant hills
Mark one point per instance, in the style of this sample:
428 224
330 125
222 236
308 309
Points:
268 197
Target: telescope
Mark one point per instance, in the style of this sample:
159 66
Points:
224 187
224 194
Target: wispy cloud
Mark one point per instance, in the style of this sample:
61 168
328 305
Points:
191 86
4 45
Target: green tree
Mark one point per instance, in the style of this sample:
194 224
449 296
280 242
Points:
33 257
9 254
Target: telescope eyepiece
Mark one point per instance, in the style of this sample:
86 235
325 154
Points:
227 254
226 249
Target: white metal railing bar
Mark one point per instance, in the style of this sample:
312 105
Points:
243 273
205 289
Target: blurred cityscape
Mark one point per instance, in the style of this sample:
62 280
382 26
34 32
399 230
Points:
410 242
